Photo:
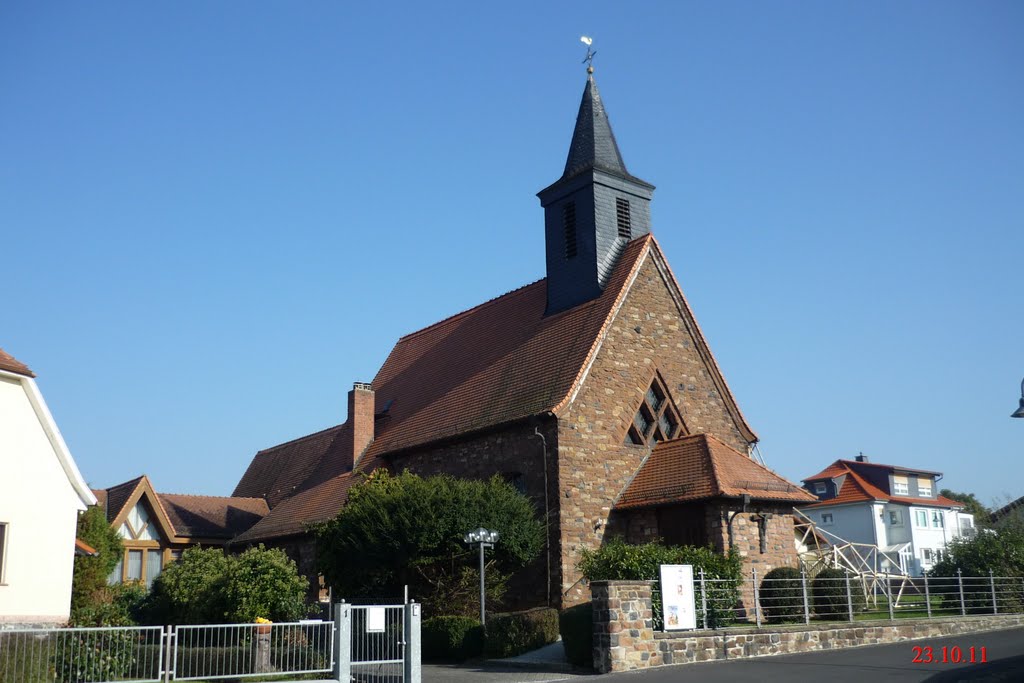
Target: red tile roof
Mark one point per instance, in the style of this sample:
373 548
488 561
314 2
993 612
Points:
12 364
83 548
116 496
493 364
206 517
279 472
212 516
317 504
699 467
857 489
833 470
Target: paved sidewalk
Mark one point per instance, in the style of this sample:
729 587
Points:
491 672
546 664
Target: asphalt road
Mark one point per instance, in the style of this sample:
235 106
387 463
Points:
877 664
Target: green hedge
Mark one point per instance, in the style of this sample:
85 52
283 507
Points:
576 625
617 560
508 635
451 638
828 594
782 595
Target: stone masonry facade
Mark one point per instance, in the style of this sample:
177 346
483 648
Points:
624 641
648 334
623 626
588 463
642 526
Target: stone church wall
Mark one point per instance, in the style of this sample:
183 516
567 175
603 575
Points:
647 334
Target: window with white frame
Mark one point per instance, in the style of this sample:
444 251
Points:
3 549
826 519
921 518
938 519
924 488
819 488
927 557
896 517
900 488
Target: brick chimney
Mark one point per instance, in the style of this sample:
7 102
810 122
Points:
360 417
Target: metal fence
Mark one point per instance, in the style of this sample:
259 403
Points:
206 652
379 644
82 655
151 654
850 598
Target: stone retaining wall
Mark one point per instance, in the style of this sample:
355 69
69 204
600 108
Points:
624 638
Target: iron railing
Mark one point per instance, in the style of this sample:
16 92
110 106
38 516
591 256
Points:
82 655
804 598
208 652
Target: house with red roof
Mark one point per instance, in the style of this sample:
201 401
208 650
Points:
897 509
593 391
155 528
41 494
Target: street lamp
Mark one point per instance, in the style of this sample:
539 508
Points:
1020 411
486 538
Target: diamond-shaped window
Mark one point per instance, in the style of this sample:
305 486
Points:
656 419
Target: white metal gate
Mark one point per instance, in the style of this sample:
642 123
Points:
379 643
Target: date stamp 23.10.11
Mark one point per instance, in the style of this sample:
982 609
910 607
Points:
949 655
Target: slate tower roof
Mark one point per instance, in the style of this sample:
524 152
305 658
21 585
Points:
592 211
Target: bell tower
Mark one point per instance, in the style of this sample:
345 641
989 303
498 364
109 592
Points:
592 211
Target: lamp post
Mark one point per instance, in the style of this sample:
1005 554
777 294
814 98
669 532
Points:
486 539
1020 411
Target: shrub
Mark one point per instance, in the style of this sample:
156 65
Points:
208 587
782 596
617 560
95 656
1000 551
89 581
452 638
828 594
576 625
263 583
187 591
407 529
508 635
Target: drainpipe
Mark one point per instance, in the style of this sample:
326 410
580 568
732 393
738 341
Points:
547 513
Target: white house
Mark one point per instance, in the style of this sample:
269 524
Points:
897 509
41 494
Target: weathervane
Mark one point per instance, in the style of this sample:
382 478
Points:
589 59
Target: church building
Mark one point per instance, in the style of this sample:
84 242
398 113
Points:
593 390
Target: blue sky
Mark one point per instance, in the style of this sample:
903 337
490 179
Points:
215 217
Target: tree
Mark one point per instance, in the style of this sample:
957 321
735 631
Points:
89 581
971 505
207 586
1000 551
407 530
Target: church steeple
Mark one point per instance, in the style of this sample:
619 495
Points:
593 143
592 211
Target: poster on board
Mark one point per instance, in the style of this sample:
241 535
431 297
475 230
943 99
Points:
677 597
